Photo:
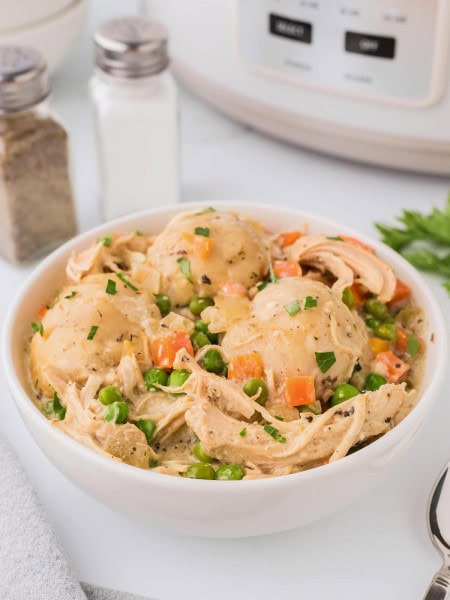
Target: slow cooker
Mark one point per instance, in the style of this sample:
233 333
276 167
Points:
361 79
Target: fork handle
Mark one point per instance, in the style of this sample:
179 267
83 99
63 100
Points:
439 588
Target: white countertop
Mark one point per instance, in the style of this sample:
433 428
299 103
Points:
377 549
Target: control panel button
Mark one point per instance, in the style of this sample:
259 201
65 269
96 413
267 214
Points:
370 45
291 29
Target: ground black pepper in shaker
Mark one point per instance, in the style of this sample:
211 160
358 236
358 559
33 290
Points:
36 203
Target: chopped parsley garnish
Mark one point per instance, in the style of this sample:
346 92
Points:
336 238
310 302
413 345
185 268
273 432
54 409
125 281
92 332
202 231
279 418
38 327
325 360
243 433
111 287
105 240
153 463
253 275
206 210
293 307
71 295
272 278
138 232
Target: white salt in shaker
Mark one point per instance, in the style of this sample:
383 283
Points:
136 113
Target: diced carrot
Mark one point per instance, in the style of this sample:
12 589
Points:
286 268
402 291
356 242
246 366
390 366
41 312
201 245
378 345
357 295
401 343
164 348
299 390
234 288
287 238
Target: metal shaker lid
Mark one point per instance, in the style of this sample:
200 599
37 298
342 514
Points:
23 78
131 47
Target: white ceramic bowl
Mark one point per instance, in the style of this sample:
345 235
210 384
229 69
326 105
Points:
216 508
49 29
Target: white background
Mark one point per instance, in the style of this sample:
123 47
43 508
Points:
376 549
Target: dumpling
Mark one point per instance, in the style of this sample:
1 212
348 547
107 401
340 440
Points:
209 249
288 342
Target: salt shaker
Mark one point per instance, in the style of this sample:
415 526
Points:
135 106
36 204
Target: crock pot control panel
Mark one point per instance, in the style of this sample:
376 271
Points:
386 50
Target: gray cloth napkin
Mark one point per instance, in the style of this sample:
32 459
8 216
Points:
33 565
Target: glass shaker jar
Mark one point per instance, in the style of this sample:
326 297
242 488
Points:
36 205
134 97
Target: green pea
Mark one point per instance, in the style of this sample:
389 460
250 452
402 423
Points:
178 377
372 323
386 331
155 376
343 392
200 471
117 412
374 382
200 339
197 451
109 394
199 303
251 388
230 472
213 361
376 308
148 427
348 297
163 303
204 328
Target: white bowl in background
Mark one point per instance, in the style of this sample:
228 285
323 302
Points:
50 26
217 508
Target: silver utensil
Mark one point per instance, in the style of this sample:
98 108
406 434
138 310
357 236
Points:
439 529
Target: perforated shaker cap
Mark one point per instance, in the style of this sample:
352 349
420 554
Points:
131 47
23 78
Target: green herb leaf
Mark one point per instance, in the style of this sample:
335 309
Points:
70 296
206 210
336 238
138 232
446 284
310 302
105 240
38 327
293 307
279 418
273 432
153 463
54 409
427 260
243 432
325 360
125 281
92 332
272 279
202 231
413 345
185 268
111 287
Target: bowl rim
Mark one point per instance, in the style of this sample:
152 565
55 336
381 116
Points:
28 409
